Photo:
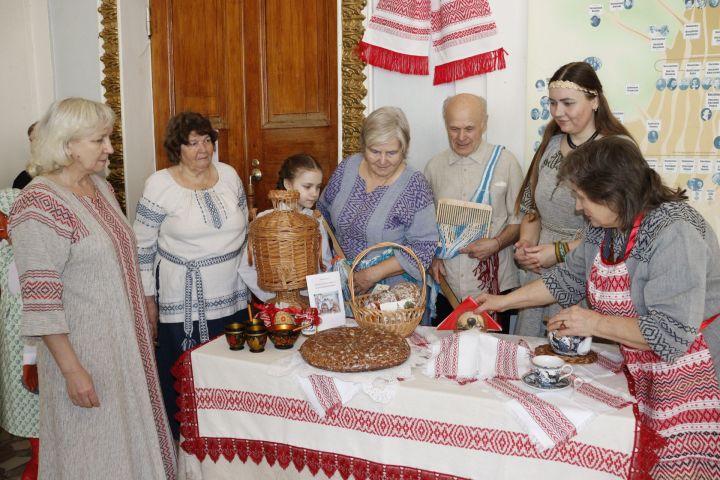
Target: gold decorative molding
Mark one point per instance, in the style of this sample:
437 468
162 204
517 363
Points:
353 78
110 60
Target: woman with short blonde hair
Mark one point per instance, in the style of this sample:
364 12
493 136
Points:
374 196
71 119
384 125
101 413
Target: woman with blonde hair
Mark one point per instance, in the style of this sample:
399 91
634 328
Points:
101 414
374 196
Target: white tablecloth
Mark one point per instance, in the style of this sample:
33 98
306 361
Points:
259 426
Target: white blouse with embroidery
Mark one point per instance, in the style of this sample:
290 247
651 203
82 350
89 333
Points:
193 225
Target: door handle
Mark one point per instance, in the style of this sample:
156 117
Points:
255 172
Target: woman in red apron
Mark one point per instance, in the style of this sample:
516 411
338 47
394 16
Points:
649 267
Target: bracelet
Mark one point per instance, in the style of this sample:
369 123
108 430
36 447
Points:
499 244
561 251
557 252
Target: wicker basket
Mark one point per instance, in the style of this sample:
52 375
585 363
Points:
401 322
285 247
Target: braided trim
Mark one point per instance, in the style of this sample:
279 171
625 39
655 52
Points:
571 86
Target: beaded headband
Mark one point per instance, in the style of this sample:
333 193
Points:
572 86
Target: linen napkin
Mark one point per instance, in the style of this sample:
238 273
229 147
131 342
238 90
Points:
475 355
606 365
551 418
325 394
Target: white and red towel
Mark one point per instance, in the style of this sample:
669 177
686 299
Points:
551 418
325 394
461 36
474 355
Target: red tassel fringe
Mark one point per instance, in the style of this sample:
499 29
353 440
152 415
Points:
468 67
390 60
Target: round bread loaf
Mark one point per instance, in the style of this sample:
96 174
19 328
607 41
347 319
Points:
354 349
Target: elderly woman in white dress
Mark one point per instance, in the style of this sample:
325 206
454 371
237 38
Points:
191 227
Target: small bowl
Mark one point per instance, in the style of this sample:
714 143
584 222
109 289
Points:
283 335
256 337
235 335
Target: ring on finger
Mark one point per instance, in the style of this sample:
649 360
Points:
562 325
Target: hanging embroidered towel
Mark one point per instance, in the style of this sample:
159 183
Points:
463 34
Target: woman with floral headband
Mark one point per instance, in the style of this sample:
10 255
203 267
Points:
551 226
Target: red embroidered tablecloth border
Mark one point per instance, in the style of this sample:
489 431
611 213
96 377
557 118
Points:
272 452
493 440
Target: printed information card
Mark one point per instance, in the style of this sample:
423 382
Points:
325 294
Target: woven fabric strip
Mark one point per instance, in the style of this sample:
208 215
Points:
481 195
461 36
193 272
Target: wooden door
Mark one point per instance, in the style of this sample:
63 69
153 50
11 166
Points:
263 71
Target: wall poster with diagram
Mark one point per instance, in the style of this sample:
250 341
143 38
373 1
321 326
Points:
659 63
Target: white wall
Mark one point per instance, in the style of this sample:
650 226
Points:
26 79
138 139
74 28
74 69
422 102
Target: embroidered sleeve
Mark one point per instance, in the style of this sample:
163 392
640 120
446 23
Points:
527 204
42 230
330 192
416 209
567 281
242 200
148 218
674 290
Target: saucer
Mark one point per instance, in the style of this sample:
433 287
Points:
530 379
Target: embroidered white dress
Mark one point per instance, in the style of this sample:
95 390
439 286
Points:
193 225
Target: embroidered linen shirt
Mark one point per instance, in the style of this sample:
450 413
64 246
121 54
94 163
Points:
193 225
454 177
402 212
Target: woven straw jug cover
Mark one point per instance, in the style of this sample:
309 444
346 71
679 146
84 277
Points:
284 244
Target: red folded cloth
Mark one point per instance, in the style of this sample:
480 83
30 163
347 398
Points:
468 305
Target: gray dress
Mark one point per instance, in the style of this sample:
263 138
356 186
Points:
77 262
559 222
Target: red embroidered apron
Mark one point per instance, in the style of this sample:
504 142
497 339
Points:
678 405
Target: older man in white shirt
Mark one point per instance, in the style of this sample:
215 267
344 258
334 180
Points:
486 264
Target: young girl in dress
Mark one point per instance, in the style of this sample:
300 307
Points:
303 173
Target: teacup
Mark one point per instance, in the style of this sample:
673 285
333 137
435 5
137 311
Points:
235 335
550 370
570 345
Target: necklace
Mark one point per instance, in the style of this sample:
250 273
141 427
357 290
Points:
573 146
